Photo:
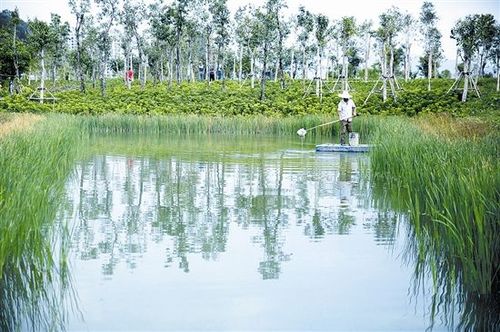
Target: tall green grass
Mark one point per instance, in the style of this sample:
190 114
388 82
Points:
233 125
451 189
34 276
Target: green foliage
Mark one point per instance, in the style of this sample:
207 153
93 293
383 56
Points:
203 99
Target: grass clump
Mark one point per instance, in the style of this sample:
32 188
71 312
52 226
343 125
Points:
34 275
451 190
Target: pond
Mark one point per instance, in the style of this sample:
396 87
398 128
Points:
234 233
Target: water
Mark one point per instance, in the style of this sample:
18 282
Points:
234 233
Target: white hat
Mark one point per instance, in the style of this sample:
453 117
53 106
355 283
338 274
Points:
345 94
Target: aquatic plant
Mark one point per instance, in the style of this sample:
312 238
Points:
450 189
34 276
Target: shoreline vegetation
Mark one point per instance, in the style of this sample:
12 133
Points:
440 168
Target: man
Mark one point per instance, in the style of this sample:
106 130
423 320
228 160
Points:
346 110
130 77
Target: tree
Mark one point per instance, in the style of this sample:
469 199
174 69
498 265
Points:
179 18
347 30
107 16
132 16
322 32
60 32
495 54
408 24
283 31
428 20
465 33
41 38
243 33
366 33
220 16
266 17
15 20
305 22
14 53
390 25
163 30
485 24
79 8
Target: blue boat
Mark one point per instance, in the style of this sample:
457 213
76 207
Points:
343 148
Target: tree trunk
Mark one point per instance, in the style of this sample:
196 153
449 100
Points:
384 73
162 77
42 78
407 63
170 69
15 58
367 56
429 71
233 75
102 73
276 69
240 69
263 78
304 67
317 74
466 80
207 59
345 73
53 74
292 66
178 57
190 63
252 70
498 73
79 23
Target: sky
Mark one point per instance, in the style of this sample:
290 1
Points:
448 11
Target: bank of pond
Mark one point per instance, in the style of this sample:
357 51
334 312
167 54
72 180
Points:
434 179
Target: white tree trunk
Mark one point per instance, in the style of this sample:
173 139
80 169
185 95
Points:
384 73
407 62
304 65
367 56
429 71
252 70
466 80
292 69
234 69
240 72
276 69
498 73
317 74
42 77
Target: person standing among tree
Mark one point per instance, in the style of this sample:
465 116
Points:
130 77
346 110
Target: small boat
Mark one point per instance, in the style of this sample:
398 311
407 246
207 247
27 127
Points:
343 148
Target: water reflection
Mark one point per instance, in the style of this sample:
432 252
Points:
303 222
122 203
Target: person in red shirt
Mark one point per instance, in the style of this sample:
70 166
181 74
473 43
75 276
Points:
130 77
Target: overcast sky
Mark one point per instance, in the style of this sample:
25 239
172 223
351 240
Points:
449 11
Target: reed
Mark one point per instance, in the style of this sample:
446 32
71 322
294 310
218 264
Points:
451 189
34 276
233 125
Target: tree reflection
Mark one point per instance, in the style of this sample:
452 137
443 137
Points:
127 203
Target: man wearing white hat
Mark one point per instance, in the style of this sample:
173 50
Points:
347 110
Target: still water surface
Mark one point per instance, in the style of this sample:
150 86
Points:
234 233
